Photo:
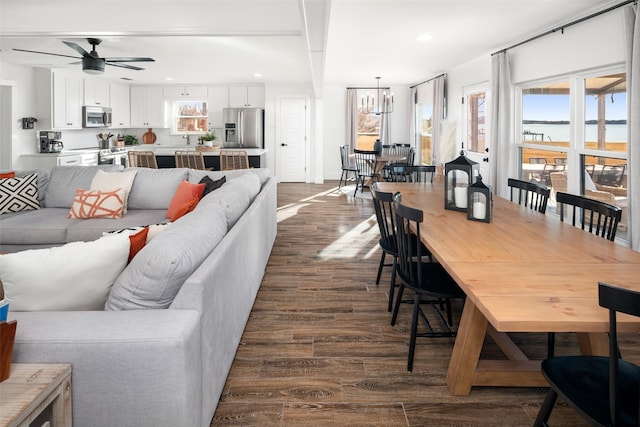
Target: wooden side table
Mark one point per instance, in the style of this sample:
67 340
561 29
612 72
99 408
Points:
30 389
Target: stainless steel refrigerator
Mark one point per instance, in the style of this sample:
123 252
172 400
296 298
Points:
243 128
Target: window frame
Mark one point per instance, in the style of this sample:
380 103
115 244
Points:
175 116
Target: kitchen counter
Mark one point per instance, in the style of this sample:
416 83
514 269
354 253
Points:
169 150
85 156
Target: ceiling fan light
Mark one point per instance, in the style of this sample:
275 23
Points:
93 65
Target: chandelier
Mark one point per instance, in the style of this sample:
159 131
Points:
381 103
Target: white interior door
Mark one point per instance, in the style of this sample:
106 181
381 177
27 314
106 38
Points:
476 121
292 144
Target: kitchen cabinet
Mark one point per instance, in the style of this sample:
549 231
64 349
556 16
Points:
96 93
218 100
120 108
48 160
59 99
191 92
147 106
246 96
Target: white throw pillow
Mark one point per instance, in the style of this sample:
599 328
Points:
76 276
154 230
110 181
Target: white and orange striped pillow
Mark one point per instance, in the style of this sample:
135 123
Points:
97 204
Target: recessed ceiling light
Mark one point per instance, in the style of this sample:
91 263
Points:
257 75
424 37
168 78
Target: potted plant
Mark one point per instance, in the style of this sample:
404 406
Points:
131 140
208 138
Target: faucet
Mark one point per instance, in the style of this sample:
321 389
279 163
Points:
186 137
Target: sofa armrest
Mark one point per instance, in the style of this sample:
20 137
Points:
128 367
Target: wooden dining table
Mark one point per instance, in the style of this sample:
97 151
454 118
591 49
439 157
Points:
522 272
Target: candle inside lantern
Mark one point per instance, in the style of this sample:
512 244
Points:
479 210
460 197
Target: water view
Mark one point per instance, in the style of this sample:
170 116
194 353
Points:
560 132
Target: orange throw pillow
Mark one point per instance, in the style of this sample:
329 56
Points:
137 242
185 200
7 175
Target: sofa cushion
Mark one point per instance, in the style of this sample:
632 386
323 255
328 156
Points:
109 181
154 188
42 226
65 180
156 274
59 283
93 228
97 204
19 194
233 198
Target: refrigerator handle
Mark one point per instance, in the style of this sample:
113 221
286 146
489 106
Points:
240 128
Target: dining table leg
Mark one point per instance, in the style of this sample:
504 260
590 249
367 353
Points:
466 350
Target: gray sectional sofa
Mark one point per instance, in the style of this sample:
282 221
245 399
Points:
161 362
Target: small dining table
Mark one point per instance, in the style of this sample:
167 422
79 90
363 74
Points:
380 161
522 272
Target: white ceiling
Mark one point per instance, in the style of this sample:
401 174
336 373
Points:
287 41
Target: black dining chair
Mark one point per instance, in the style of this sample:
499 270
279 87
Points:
603 390
386 218
532 195
420 173
348 167
429 281
366 168
591 215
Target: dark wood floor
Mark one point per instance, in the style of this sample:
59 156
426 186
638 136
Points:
318 349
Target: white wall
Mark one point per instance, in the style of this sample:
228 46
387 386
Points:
21 80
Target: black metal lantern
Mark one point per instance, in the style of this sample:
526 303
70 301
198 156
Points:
480 202
459 174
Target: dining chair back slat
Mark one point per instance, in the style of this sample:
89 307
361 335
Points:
233 159
189 159
365 164
530 194
591 215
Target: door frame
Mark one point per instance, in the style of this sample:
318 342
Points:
8 126
277 151
485 168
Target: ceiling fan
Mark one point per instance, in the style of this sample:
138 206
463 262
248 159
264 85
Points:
91 62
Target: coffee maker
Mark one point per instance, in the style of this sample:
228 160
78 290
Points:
50 142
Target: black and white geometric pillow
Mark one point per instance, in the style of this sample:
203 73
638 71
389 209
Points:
19 194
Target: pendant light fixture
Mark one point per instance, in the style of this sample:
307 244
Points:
381 103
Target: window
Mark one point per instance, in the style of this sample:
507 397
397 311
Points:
476 121
573 137
425 128
191 117
368 123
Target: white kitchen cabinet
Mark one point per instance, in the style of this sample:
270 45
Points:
61 93
96 93
120 107
246 96
47 161
218 100
147 106
191 92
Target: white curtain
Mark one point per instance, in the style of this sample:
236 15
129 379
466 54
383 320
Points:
502 156
632 30
385 129
351 137
437 118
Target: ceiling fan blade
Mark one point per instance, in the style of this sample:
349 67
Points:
129 59
46 53
77 48
131 67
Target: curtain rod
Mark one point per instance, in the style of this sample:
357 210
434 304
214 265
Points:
562 27
427 81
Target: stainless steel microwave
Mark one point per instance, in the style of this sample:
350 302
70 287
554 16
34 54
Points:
96 117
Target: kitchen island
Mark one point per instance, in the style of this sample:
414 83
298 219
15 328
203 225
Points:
165 155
